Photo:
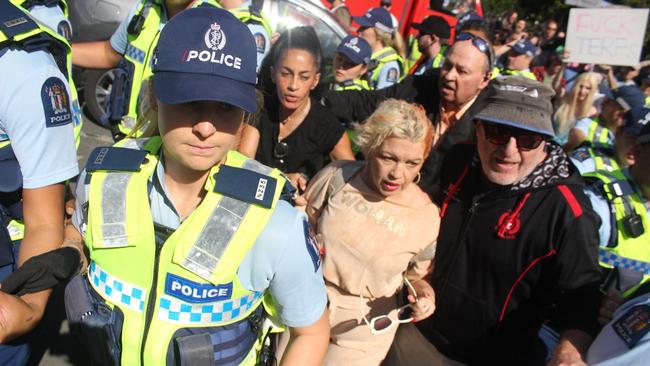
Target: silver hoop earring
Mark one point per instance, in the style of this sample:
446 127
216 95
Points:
417 178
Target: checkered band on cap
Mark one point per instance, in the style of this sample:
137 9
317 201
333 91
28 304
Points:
116 290
612 259
178 311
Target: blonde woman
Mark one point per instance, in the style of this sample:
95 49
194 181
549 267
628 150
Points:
577 104
376 27
377 230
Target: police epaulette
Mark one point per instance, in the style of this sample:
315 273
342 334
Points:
115 158
14 21
245 185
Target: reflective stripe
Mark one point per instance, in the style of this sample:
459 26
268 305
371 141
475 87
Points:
218 230
16 230
114 210
118 291
135 53
178 311
609 258
598 134
215 237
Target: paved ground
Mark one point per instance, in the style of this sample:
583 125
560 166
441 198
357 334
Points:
54 346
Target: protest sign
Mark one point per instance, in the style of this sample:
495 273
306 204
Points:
606 36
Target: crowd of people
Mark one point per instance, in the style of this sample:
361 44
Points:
466 201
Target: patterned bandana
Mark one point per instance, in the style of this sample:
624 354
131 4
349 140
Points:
551 170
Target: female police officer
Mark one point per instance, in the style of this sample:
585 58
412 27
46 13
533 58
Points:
187 240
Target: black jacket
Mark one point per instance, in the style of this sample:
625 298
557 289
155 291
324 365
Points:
497 283
421 89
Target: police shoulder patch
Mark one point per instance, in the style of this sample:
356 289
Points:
65 30
260 42
391 76
633 325
581 154
312 245
56 102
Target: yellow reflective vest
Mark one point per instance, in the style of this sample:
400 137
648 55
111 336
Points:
356 84
380 58
189 281
525 73
625 249
137 62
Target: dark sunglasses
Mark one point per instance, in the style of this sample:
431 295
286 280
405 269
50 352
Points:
500 135
280 151
478 42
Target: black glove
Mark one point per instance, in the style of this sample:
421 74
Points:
43 271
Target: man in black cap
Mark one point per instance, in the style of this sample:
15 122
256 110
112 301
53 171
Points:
518 242
432 43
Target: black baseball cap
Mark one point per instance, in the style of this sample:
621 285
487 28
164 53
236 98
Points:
434 25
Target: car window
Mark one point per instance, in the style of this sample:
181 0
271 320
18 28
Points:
290 15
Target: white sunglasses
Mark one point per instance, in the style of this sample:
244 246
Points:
382 323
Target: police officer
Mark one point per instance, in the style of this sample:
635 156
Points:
615 151
54 14
620 198
431 44
257 23
625 340
190 245
131 46
376 27
351 64
37 155
520 56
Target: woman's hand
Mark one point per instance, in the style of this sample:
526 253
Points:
298 180
426 300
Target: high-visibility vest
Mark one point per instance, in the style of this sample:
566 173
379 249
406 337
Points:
623 249
419 67
602 155
356 84
525 73
190 280
382 57
248 14
599 135
136 65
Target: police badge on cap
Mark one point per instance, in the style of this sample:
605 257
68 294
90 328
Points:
206 54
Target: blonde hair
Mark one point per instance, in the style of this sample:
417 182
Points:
394 118
391 39
147 123
569 111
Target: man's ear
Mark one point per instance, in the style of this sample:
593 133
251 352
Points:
486 80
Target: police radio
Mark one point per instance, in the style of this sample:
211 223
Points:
633 225
137 22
